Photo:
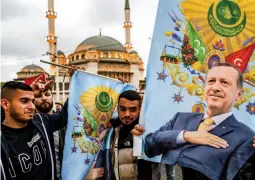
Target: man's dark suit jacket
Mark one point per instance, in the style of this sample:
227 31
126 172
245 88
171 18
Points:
215 163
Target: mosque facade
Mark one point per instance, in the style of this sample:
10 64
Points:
98 54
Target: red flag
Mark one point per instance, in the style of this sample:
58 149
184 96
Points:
42 78
241 58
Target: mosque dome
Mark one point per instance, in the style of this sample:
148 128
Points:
29 71
133 52
60 53
100 43
32 68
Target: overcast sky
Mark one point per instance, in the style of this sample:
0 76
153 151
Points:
24 28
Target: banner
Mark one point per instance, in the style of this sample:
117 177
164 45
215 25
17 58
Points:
92 102
41 78
190 36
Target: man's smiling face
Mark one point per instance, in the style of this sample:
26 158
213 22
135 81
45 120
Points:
221 89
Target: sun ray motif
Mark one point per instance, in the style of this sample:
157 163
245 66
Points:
228 45
211 39
246 3
200 3
238 40
234 25
100 102
203 26
250 29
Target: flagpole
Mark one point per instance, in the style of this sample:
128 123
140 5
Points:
67 67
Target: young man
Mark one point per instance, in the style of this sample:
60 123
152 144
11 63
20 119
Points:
58 106
44 104
27 145
212 145
124 165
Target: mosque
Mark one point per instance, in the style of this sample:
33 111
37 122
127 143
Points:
98 54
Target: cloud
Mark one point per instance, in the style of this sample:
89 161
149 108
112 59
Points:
106 13
24 27
23 30
13 9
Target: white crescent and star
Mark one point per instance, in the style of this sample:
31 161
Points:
197 42
203 50
238 62
198 49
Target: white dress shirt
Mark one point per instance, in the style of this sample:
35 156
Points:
217 120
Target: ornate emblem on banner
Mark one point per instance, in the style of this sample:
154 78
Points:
226 18
103 102
212 58
198 108
99 101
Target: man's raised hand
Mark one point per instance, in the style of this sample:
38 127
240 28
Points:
38 86
204 138
138 130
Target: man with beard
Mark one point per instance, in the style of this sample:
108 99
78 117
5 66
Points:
27 150
44 104
123 165
58 106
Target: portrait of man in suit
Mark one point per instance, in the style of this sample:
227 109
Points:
212 145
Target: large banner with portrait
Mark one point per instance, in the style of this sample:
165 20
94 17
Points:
190 37
91 104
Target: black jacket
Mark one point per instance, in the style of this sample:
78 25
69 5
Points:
144 167
46 125
247 172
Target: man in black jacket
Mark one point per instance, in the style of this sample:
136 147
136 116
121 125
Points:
27 145
44 104
125 165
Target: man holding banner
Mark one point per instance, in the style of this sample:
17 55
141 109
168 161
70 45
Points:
27 145
44 104
212 145
124 165
91 106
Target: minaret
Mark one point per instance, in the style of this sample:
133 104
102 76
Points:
127 26
52 40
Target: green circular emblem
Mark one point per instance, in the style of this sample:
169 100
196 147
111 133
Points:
103 102
226 18
228 12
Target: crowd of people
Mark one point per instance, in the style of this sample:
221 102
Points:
32 136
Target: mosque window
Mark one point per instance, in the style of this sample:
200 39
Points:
60 87
66 86
72 58
77 57
105 55
83 56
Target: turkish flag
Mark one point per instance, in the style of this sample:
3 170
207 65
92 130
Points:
41 77
241 58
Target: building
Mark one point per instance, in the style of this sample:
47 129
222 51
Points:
29 71
98 54
106 56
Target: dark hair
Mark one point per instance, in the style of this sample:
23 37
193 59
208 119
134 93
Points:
59 103
130 95
10 86
240 76
2 114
